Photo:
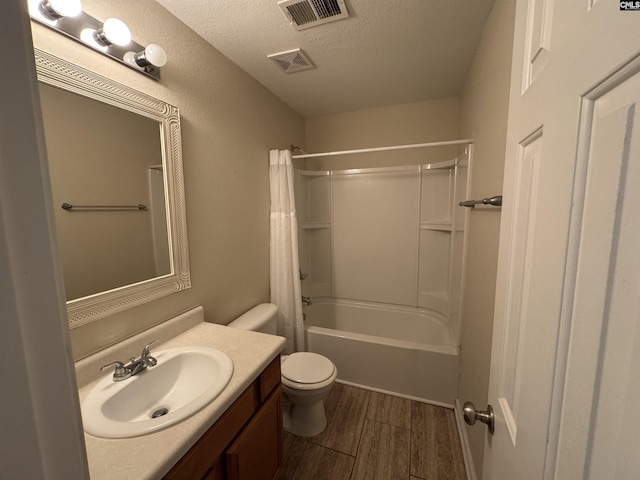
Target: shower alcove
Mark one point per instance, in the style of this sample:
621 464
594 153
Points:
381 255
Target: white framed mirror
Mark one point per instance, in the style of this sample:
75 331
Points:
115 161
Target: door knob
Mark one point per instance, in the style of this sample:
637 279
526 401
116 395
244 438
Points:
471 415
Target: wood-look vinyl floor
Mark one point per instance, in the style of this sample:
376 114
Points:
373 436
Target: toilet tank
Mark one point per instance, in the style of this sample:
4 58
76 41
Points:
261 318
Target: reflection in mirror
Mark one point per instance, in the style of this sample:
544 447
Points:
112 146
101 155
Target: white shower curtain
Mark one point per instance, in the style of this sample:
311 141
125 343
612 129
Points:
285 273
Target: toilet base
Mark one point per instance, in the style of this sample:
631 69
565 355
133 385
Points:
304 420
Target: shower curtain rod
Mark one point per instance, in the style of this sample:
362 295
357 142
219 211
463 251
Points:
384 149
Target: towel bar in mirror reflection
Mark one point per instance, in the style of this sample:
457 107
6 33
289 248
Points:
68 207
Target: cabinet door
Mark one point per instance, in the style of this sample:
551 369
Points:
257 452
216 473
197 462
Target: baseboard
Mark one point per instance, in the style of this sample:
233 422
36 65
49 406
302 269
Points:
396 394
464 442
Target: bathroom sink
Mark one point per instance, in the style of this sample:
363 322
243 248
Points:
184 381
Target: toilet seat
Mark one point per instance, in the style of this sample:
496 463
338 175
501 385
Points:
307 370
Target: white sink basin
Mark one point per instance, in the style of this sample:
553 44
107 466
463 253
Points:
184 381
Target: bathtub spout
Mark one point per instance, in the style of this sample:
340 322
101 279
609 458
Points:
306 300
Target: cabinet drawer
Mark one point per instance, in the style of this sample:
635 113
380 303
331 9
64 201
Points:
269 379
199 459
257 453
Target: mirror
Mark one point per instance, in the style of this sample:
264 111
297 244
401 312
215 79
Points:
107 181
115 162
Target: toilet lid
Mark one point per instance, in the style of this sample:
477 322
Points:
307 367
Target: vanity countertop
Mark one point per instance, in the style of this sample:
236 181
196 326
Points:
152 456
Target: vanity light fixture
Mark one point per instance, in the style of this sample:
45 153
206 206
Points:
111 37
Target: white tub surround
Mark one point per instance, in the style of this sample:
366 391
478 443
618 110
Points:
387 235
152 456
400 350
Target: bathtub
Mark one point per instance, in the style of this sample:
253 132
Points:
391 349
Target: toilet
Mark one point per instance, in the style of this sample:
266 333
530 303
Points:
306 377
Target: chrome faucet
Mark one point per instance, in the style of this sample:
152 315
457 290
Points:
135 365
306 300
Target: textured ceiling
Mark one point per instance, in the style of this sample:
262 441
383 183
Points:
387 52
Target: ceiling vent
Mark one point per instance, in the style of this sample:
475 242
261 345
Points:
292 61
311 13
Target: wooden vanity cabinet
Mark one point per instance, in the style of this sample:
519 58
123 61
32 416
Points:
246 442
257 452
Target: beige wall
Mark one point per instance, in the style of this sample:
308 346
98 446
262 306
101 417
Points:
229 122
419 122
483 116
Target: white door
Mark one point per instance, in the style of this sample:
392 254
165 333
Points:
566 342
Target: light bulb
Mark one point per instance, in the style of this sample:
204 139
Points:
88 36
61 8
130 58
152 55
155 55
114 32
